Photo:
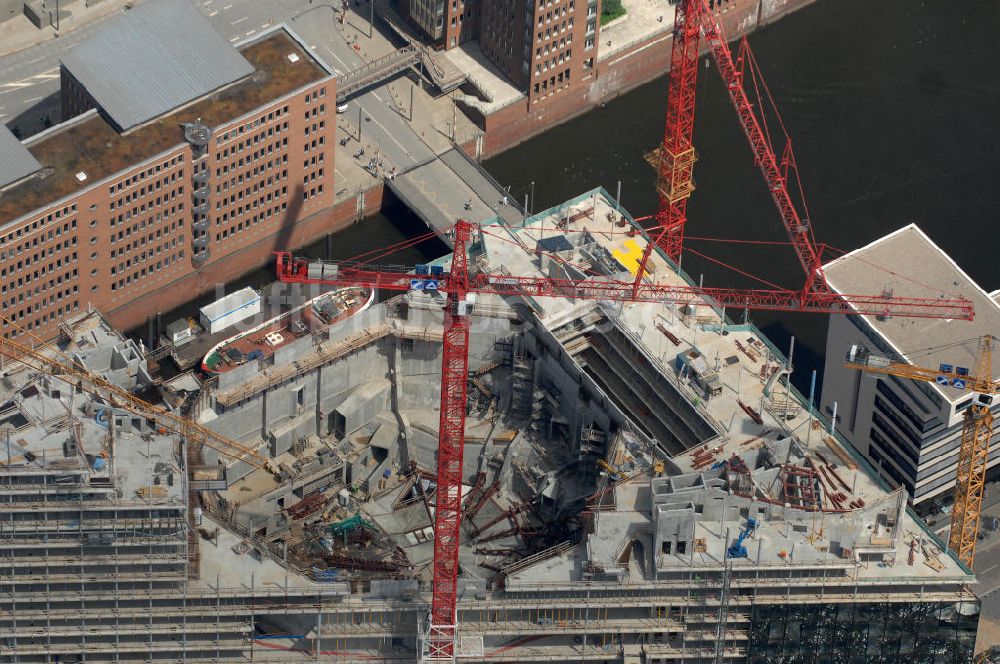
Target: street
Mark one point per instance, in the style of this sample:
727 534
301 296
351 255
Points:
29 82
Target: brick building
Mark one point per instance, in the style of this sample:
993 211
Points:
446 23
179 154
542 46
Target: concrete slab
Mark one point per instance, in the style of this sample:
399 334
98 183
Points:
484 75
642 20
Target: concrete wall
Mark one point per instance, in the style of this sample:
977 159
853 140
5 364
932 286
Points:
10 9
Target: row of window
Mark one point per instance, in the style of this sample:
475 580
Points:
315 143
34 225
148 269
155 204
24 277
48 316
39 239
248 127
552 63
252 175
141 192
248 144
145 222
38 256
315 127
147 254
235 197
553 83
143 175
252 221
554 15
549 33
315 94
312 192
880 452
25 294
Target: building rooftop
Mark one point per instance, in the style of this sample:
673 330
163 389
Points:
816 499
17 162
230 303
153 59
55 429
908 263
90 145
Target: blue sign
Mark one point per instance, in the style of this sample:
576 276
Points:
961 371
946 368
941 380
431 284
416 284
958 384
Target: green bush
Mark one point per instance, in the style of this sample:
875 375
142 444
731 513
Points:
611 10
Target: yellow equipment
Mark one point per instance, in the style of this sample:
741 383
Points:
192 432
977 429
612 472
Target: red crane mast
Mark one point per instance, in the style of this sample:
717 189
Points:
674 159
458 283
674 162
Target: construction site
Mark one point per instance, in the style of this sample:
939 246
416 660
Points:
550 445
639 484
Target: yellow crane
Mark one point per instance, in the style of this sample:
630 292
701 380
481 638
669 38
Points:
977 428
59 365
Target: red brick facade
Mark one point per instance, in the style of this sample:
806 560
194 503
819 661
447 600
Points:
612 76
175 224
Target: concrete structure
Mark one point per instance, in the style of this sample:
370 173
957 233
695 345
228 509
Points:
541 47
17 163
157 212
229 310
446 23
910 430
604 488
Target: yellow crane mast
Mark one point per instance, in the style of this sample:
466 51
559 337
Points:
58 365
977 428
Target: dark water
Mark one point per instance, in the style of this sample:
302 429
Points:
894 109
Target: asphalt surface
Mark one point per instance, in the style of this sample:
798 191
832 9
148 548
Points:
29 79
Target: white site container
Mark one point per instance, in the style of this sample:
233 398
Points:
230 310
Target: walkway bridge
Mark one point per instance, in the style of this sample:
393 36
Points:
453 186
376 72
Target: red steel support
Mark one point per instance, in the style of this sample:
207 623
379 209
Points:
796 227
451 441
676 156
293 270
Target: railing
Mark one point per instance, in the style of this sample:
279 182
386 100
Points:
376 71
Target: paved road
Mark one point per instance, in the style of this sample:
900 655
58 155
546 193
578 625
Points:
32 75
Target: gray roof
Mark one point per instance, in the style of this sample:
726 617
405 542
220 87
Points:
160 55
16 162
911 265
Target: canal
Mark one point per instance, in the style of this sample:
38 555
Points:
893 109
892 106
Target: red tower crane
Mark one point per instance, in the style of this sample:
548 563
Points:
674 161
459 282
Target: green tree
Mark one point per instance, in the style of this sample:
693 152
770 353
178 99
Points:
611 10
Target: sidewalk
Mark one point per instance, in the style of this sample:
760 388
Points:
19 33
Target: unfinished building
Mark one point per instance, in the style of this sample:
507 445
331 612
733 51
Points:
642 485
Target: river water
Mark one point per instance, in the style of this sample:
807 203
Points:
894 107
894 110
